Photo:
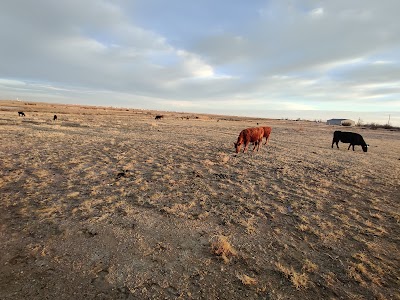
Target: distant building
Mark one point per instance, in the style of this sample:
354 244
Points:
343 122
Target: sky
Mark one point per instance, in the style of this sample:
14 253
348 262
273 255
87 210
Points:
271 58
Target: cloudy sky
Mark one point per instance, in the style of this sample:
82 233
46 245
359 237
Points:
261 58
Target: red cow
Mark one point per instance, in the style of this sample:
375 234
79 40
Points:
267 132
249 135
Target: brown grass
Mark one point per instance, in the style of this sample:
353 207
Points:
246 280
222 247
299 280
107 203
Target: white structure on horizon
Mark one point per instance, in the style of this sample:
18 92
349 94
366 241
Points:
340 122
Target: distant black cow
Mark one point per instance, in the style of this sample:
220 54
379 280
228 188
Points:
159 117
21 114
349 137
55 118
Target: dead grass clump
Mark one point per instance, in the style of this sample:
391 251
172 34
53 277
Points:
309 266
221 247
346 123
298 280
179 209
368 269
353 273
249 224
303 227
246 280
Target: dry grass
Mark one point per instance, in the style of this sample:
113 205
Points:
106 203
299 280
246 280
222 247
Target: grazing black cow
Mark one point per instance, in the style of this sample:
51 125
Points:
349 137
55 118
159 117
21 114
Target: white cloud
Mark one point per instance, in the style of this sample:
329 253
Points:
302 54
317 12
11 82
195 65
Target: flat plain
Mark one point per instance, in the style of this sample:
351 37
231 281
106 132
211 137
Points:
109 203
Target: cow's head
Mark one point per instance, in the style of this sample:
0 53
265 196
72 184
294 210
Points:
365 147
237 147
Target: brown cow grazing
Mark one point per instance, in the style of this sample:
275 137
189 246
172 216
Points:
55 118
267 132
159 117
21 114
247 136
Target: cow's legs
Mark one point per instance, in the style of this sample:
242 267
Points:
259 144
255 145
246 145
337 143
349 147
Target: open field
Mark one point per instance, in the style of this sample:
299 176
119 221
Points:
110 204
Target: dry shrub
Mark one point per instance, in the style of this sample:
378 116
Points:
366 268
346 123
246 280
330 278
221 247
353 273
303 227
248 224
298 280
309 266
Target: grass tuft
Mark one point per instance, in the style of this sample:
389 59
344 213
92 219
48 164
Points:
222 247
246 280
300 281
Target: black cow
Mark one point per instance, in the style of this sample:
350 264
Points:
159 117
21 114
349 137
55 118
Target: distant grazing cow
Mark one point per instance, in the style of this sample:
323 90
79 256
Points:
159 117
21 114
247 136
267 132
349 137
55 118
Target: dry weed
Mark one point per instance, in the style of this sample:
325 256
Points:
309 266
298 280
330 278
246 280
303 227
221 247
248 224
362 268
353 273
